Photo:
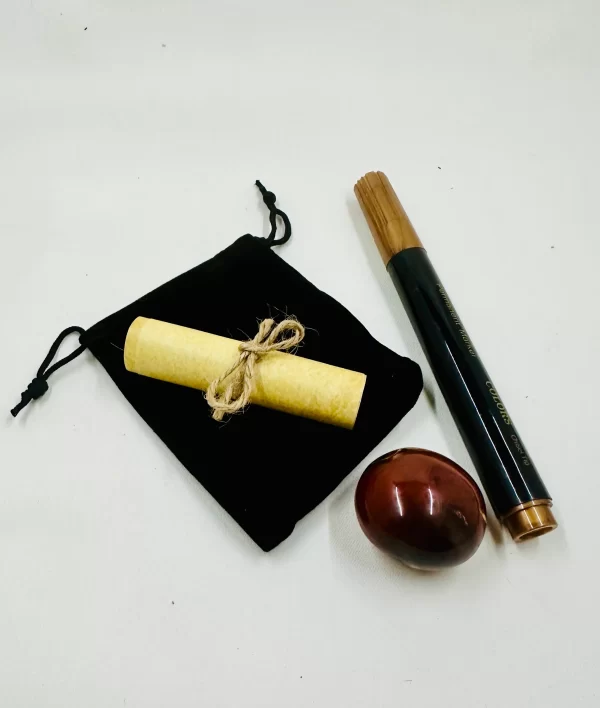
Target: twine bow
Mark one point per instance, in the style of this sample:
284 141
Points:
236 394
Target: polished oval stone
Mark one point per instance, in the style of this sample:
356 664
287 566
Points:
422 508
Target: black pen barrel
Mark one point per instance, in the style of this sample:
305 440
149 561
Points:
505 468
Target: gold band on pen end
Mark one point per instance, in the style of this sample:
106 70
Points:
530 520
389 224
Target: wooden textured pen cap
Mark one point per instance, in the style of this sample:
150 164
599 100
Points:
389 224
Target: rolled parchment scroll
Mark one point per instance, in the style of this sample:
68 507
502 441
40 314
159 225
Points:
284 382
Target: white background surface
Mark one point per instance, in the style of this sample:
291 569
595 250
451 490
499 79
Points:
128 154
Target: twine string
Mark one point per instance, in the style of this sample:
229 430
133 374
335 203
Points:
239 378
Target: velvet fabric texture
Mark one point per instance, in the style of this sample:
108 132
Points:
265 468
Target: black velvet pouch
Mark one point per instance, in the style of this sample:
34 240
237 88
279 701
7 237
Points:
265 494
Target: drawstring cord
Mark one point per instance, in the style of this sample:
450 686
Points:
269 199
38 387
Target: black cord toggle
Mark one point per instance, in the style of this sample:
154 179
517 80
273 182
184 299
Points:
269 199
38 387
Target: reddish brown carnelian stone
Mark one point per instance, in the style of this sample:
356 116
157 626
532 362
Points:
422 508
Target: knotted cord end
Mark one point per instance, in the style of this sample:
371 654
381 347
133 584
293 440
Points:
39 385
36 389
269 199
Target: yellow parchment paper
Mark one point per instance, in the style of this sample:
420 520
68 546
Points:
285 382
